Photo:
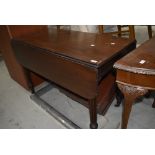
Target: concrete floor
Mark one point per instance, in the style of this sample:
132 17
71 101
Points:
17 110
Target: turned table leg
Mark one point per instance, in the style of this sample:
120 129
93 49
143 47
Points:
93 114
29 80
130 94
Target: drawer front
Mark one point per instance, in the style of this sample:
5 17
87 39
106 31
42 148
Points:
77 78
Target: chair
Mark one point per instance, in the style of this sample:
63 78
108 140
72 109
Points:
130 30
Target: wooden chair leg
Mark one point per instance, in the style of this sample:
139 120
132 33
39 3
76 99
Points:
149 31
119 30
101 29
132 31
58 27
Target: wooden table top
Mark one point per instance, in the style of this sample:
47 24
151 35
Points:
88 48
141 60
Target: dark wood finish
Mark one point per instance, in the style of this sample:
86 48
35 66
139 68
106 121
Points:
153 105
16 71
149 27
8 54
130 94
20 30
106 87
136 75
29 80
101 29
119 97
58 27
79 62
131 31
119 30
93 114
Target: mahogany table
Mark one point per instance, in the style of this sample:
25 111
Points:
80 63
136 75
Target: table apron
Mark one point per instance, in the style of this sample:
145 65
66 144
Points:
133 79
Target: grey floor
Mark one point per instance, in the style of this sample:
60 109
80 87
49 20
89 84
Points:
17 110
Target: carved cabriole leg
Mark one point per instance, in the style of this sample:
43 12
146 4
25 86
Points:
93 114
130 94
29 80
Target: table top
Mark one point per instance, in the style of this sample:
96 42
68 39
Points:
90 48
141 60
